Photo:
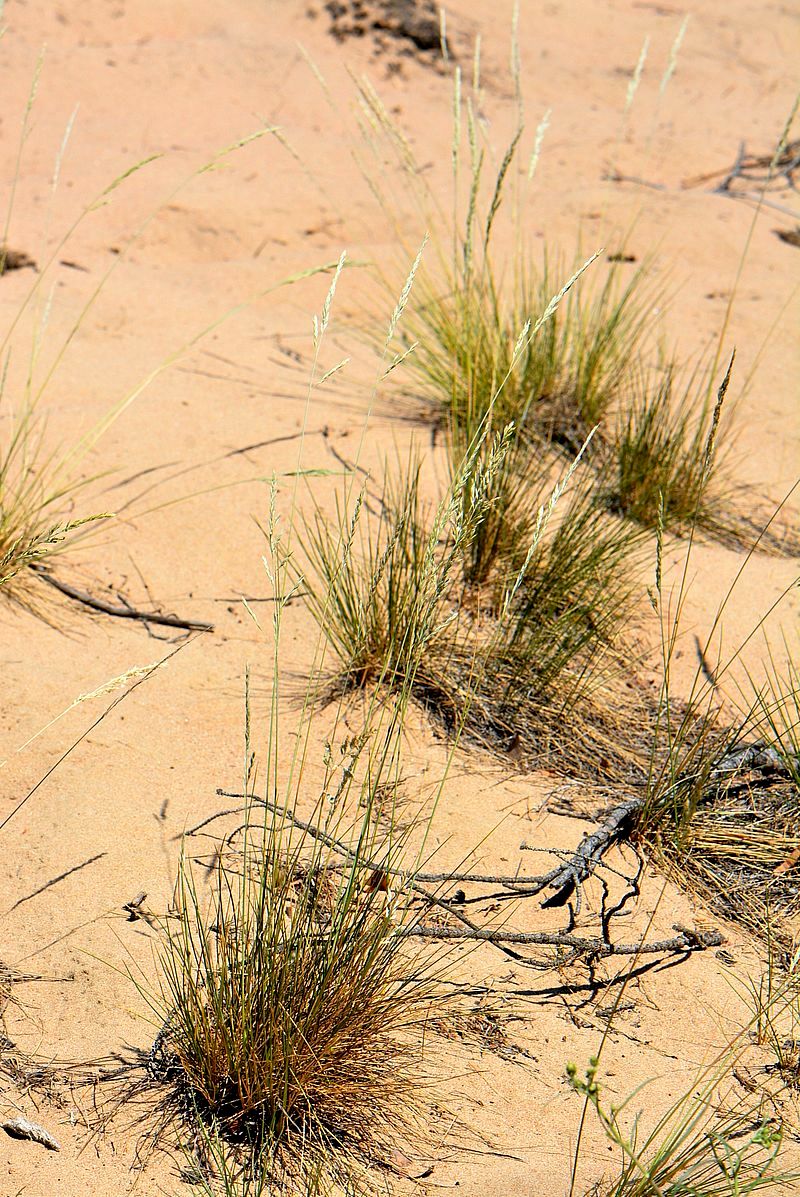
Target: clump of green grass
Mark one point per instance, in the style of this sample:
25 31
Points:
295 1009
515 662
380 596
664 463
560 383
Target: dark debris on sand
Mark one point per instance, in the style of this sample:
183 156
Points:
414 24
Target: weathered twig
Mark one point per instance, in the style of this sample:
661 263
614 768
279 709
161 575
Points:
684 941
122 611
754 168
588 855
619 820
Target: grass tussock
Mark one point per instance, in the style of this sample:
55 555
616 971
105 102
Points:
665 467
555 385
490 344
514 664
294 1009
296 1016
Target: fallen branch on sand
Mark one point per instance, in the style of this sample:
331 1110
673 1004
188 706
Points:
588 855
684 941
123 610
621 818
564 880
577 867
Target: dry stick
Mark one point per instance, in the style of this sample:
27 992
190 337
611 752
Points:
757 756
785 165
124 610
685 941
587 857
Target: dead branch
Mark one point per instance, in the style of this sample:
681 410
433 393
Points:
754 168
684 941
578 867
588 855
758 757
564 880
122 611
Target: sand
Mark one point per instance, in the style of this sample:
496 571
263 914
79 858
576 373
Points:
183 80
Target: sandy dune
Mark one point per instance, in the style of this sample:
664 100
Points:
183 80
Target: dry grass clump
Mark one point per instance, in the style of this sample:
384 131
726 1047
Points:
295 1015
516 663
293 1008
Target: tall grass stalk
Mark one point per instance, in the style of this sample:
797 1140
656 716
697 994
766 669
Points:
697 1147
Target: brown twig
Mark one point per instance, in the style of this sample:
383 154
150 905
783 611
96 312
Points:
122 611
684 941
578 868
